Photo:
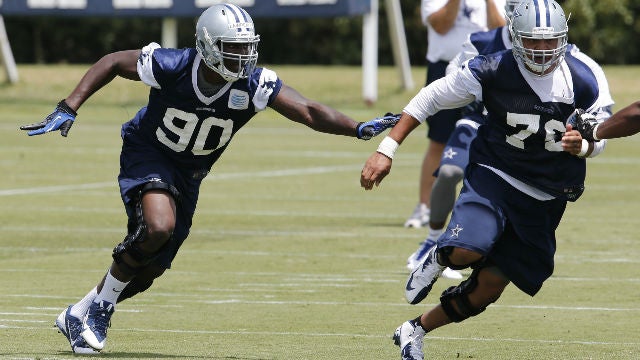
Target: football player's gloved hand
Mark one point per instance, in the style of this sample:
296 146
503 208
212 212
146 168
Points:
584 122
60 119
371 128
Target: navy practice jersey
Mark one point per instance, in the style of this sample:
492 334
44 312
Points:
190 128
488 42
480 43
497 40
526 117
522 134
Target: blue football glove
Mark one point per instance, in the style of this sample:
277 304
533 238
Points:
371 128
60 119
584 122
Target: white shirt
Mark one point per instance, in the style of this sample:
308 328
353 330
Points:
472 17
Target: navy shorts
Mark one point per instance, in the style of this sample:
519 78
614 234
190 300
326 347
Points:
140 165
442 123
513 230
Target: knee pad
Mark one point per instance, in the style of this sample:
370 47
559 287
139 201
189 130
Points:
137 230
451 173
141 282
460 296
134 287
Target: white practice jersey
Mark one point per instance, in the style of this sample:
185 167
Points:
472 17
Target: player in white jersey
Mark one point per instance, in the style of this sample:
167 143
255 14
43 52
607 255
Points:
525 164
199 98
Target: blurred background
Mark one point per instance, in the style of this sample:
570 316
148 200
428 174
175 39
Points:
607 30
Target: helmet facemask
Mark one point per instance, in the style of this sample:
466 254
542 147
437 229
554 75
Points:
226 41
531 22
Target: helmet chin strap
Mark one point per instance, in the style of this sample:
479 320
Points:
212 76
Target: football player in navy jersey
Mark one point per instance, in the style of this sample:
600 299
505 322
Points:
199 98
456 155
525 164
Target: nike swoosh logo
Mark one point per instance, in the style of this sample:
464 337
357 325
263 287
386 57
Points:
409 288
114 290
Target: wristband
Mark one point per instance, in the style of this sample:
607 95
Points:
595 130
584 148
388 147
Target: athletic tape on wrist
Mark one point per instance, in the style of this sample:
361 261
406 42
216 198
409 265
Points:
584 148
388 147
595 130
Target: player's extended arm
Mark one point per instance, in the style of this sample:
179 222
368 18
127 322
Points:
292 105
121 63
625 122
323 118
378 165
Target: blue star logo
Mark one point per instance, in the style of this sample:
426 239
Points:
467 11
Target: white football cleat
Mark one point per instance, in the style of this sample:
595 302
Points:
419 218
96 323
71 327
409 338
423 277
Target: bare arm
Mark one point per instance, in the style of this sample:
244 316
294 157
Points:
292 105
121 63
494 16
442 20
625 122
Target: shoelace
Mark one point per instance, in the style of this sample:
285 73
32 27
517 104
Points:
102 320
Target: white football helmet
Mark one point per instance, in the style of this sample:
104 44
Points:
539 19
219 26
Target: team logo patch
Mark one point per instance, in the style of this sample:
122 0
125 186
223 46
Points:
238 100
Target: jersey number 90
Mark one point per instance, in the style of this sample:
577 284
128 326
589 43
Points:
187 132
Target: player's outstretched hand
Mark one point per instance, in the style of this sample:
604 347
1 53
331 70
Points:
375 169
371 128
60 119
584 122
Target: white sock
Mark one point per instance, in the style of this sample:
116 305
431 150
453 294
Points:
434 234
80 308
110 290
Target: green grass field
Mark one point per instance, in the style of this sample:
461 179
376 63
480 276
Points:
288 257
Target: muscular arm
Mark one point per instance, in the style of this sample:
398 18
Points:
442 20
625 122
315 115
121 63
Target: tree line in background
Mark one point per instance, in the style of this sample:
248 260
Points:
607 30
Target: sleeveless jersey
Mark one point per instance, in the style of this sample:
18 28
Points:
522 134
189 128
